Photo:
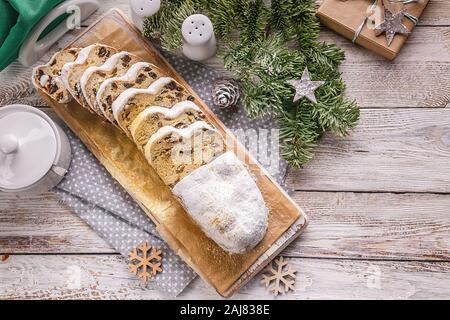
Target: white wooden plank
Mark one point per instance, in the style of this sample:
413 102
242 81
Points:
405 150
343 225
374 226
373 81
437 13
417 78
106 277
41 224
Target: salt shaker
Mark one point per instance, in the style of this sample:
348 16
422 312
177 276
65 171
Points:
199 41
35 152
141 9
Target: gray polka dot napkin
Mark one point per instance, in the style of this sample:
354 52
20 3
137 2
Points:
100 201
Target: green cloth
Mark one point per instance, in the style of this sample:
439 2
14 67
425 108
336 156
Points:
17 19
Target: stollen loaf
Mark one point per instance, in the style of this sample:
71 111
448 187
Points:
164 120
226 202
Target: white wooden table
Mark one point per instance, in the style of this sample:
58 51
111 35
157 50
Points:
379 200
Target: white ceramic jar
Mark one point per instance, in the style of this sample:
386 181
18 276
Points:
35 152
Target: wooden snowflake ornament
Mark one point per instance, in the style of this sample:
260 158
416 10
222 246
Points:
279 277
145 261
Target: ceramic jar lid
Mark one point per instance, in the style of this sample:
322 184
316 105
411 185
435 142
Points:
34 151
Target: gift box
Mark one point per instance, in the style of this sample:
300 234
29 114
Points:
357 20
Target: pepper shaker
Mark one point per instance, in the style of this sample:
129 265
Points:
141 9
199 41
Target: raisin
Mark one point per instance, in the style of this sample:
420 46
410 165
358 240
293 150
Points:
152 75
77 90
141 79
190 98
53 63
101 74
102 52
172 85
126 58
53 88
114 85
180 168
109 100
147 69
128 85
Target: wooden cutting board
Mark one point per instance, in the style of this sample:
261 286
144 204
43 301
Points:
226 273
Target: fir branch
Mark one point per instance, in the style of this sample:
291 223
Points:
224 18
166 24
253 21
298 136
263 60
279 18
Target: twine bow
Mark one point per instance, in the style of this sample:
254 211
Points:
374 5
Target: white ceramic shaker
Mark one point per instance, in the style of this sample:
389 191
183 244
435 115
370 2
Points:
35 152
199 41
141 9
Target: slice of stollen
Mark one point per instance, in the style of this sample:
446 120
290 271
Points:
226 203
71 73
48 77
174 153
117 65
149 121
164 92
141 75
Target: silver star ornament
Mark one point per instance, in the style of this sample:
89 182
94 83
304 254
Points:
305 87
392 24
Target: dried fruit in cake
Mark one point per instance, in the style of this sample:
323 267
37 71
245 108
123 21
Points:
149 121
117 65
71 73
164 92
48 77
175 153
140 75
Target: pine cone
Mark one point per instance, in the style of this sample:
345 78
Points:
226 93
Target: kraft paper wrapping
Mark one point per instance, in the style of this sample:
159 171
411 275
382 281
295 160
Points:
344 17
129 167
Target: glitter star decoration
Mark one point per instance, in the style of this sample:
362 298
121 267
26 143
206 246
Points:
305 87
392 24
